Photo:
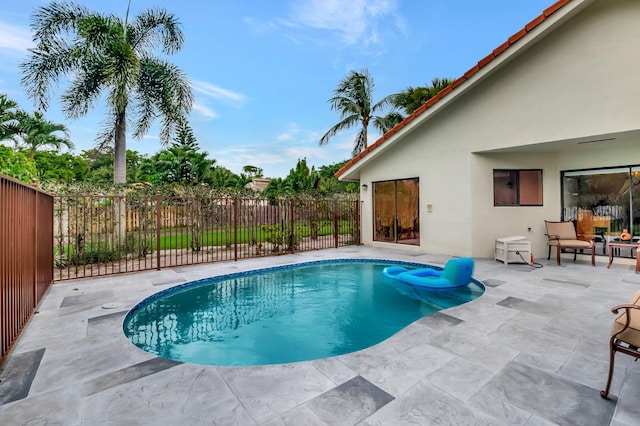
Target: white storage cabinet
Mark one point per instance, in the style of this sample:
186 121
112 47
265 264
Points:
509 250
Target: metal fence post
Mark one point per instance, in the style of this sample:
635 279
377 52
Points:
158 225
358 223
336 226
235 228
292 238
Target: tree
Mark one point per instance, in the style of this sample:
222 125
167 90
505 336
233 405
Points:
302 178
54 167
253 171
36 132
329 184
277 187
101 165
104 55
181 163
18 165
9 118
353 99
412 98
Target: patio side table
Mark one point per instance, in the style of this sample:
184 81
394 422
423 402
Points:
613 247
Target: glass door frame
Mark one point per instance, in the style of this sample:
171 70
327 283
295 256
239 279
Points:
394 229
602 217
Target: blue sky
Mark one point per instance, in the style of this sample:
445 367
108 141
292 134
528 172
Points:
262 71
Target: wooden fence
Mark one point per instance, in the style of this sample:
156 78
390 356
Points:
102 235
26 264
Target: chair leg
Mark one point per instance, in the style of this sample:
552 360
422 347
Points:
575 254
549 254
612 353
558 250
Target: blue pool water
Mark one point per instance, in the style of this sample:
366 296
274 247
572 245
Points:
285 314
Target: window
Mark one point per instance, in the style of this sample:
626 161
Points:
396 211
517 187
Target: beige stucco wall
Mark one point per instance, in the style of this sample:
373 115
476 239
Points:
579 82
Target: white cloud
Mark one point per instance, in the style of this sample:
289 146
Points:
262 158
215 92
285 137
299 152
15 38
295 133
273 164
356 21
204 110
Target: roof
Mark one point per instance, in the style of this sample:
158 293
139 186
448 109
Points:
457 83
258 184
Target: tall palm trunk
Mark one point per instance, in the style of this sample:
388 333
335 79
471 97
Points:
120 151
120 173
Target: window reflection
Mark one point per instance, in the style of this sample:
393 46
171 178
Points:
603 203
517 187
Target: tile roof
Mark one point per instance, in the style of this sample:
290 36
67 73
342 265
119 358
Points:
467 75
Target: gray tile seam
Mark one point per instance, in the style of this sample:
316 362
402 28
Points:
439 318
527 306
100 318
510 301
567 282
167 282
128 374
492 282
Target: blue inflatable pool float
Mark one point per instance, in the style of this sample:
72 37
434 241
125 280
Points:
456 273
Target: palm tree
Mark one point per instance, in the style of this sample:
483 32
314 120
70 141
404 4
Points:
9 119
36 132
104 55
412 98
353 100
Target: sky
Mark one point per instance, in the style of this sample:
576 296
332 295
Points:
263 71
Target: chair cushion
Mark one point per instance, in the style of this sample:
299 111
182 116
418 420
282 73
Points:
632 334
577 244
564 230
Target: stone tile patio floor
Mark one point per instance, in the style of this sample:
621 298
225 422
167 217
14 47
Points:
533 350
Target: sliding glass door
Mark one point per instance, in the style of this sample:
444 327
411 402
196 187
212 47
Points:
396 211
603 202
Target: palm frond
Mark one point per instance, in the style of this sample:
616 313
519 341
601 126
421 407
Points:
386 123
163 90
156 27
345 124
360 142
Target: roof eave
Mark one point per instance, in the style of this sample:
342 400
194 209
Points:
529 35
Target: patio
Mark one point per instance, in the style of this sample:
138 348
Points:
533 350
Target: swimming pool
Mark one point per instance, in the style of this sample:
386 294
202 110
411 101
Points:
284 314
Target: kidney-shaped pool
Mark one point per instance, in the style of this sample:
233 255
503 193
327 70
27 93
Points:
283 314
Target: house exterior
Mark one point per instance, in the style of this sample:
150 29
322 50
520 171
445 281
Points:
546 127
258 184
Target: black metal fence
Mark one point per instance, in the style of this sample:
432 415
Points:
102 235
26 264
